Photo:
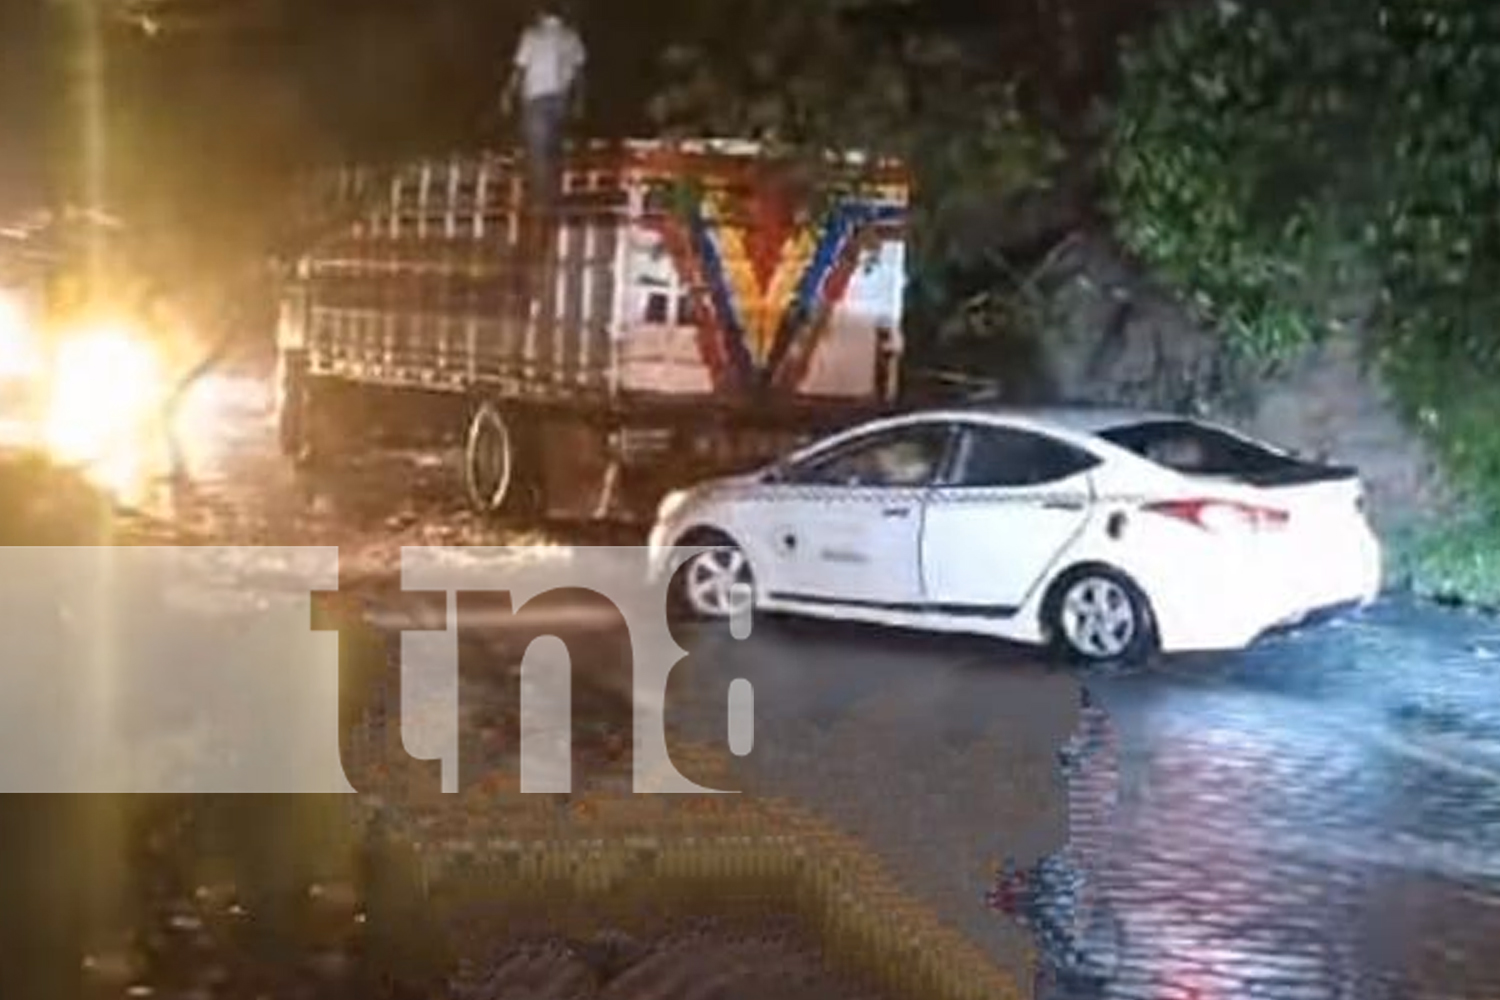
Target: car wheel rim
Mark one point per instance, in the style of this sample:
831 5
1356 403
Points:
718 582
1099 618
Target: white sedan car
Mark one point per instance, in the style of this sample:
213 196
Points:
1108 535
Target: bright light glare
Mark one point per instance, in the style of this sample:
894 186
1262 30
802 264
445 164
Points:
19 355
104 410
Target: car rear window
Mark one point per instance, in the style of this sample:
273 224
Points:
1196 449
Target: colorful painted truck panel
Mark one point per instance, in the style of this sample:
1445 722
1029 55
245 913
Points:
666 273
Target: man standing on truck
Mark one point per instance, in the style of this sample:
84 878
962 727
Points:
546 73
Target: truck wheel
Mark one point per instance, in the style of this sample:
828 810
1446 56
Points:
314 427
501 467
489 459
308 430
291 409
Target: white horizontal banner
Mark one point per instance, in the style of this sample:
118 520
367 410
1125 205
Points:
198 670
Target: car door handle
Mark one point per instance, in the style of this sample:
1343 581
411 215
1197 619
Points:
894 512
1062 505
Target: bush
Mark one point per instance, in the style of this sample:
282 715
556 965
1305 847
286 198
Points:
1457 561
1299 167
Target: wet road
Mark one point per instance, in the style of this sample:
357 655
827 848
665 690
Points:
1316 818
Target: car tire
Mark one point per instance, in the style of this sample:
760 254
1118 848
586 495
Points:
1097 616
709 566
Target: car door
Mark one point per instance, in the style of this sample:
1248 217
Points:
846 523
1012 501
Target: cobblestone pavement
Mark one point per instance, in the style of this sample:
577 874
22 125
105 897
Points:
1316 818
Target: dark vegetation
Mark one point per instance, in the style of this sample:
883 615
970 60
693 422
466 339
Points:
1300 169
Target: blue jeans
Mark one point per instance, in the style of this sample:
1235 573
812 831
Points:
542 123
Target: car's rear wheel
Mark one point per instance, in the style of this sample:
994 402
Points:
714 583
1098 615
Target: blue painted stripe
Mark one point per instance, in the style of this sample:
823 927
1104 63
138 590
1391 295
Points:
723 297
842 221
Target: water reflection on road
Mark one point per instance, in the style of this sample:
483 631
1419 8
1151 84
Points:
1318 817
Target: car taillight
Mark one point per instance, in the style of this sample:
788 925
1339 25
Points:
1222 515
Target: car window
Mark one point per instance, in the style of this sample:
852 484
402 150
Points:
1197 449
1006 457
903 457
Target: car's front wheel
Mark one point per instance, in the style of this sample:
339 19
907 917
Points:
715 583
1097 615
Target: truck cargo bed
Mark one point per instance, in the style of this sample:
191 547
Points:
618 293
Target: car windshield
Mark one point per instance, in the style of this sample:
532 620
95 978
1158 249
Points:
1196 449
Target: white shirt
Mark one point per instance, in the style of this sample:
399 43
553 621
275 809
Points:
549 57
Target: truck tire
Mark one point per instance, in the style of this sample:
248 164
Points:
304 420
291 407
320 425
500 474
489 459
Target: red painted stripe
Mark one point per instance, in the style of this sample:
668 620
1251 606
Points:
794 369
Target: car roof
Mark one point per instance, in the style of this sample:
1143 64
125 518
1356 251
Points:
1076 418
1080 423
